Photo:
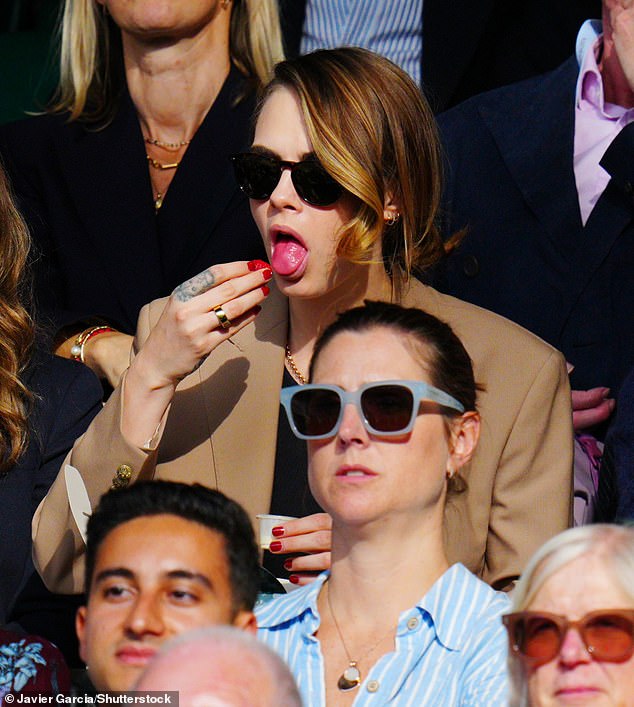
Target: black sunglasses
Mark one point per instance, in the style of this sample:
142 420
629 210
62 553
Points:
258 175
386 407
536 637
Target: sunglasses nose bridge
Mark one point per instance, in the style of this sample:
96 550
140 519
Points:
295 178
573 646
285 189
352 422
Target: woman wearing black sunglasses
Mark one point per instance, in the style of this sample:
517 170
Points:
571 633
343 178
390 419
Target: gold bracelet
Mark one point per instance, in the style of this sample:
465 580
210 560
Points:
77 349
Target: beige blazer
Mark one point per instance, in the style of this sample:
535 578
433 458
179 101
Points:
221 431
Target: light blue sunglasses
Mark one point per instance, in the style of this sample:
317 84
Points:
387 408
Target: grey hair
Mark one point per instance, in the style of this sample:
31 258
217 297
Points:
612 544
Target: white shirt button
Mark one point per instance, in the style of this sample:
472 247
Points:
373 686
412 623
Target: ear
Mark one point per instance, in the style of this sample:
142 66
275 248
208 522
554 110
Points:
246 621
391 210
80 630
464 439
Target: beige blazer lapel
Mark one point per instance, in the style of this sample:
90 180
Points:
242 409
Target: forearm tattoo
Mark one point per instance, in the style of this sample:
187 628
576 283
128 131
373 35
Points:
194 286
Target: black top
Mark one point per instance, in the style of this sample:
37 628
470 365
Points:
87 197
67 397
291 495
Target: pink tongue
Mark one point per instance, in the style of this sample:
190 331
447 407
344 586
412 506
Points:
287 257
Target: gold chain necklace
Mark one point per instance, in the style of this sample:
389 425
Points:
160 165
166 145
351 676
297 374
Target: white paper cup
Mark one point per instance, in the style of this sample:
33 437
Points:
266 524
288 586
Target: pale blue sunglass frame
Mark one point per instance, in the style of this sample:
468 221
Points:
420 391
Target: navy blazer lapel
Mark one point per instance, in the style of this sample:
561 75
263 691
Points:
204 186
451 32
107 177
538 149
612 215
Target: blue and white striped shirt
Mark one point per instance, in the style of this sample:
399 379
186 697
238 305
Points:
451 648
393 29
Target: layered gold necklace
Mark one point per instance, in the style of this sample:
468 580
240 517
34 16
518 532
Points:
158 193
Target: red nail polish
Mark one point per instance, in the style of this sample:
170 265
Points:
257 265
267 274
288 565
265 289
293 579
275 546
277 531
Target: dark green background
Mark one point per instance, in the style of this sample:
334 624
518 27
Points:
28 65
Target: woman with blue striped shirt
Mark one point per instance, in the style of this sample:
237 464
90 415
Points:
390 418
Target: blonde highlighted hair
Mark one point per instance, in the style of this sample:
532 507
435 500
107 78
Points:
373 131
612 544
91 59
16 330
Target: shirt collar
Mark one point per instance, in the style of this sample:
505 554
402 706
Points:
439 604
292 605
451 603
589 83
442 604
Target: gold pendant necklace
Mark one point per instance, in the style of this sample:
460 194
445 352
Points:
351 676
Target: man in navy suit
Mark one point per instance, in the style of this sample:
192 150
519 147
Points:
541 175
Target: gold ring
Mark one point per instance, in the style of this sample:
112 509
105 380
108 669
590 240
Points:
223 319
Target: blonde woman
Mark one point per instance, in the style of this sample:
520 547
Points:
127 184
343 177
45 404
